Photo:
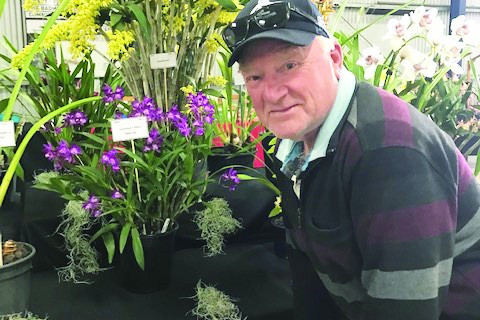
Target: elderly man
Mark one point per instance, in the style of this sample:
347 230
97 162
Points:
382 210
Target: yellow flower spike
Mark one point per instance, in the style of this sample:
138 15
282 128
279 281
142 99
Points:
325 7
58 32
17 60
226 17
218 81
32 6
119 44
278 202
187 90
178 23
211 44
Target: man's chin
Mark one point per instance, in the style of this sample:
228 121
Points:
287 135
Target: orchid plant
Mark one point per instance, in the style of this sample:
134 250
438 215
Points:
433 80
136 187
136 30
234 111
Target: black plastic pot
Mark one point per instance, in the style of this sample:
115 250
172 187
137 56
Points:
15 284
158 253
279 237
222 158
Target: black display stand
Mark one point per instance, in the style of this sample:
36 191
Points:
252 274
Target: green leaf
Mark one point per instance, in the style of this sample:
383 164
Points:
3 105
138 248
130 187
115 18
477 165
2 6
262 180
105 229
124 235
275 212
227 4
109 243
95 159
92 137
135 157
212 92
141 18
408 97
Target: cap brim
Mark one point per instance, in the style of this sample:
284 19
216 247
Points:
295 37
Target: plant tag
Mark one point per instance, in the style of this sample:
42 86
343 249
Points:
7 134
129 129
163 60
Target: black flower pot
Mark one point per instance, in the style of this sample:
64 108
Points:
15 284
158 253
222 158
279 237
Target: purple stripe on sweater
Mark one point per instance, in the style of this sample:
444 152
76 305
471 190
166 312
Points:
398 122
464 173
407 224
344 258
462 291
350 146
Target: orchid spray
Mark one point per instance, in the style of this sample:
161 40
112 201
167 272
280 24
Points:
140 186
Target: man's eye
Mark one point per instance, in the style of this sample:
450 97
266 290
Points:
253 78
290 65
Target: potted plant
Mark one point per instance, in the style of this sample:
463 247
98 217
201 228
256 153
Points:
136 189
15 265
15 276
433 80
236 119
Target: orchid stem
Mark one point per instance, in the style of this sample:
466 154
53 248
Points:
136 173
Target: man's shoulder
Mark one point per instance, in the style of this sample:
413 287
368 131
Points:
382 119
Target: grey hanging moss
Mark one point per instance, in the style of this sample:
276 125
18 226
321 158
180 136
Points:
82 256
213 304
21 316
214 222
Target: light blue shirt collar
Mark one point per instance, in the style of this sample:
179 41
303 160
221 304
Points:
346 87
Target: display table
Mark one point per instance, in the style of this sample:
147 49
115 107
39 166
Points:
250 273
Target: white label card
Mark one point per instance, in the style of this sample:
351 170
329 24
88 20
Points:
7 134
129 129
163 60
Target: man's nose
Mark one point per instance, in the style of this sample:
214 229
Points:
274 91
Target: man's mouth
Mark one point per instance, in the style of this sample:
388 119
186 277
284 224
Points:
284 109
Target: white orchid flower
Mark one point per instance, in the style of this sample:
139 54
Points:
423 18
370 59
423 65
467 30
399 31
409 53
436 32
450 53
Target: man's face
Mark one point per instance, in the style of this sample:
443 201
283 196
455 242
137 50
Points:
292 88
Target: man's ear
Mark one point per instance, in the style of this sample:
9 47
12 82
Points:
337 57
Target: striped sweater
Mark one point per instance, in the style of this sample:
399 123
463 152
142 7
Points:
390 217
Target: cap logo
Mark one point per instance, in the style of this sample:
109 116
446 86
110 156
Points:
260 5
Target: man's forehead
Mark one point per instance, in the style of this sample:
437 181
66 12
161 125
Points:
267 47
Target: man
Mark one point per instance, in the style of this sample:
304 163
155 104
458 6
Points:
382 209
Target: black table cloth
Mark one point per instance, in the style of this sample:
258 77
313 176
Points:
250 273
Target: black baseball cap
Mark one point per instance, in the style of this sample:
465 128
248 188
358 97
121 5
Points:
304 24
